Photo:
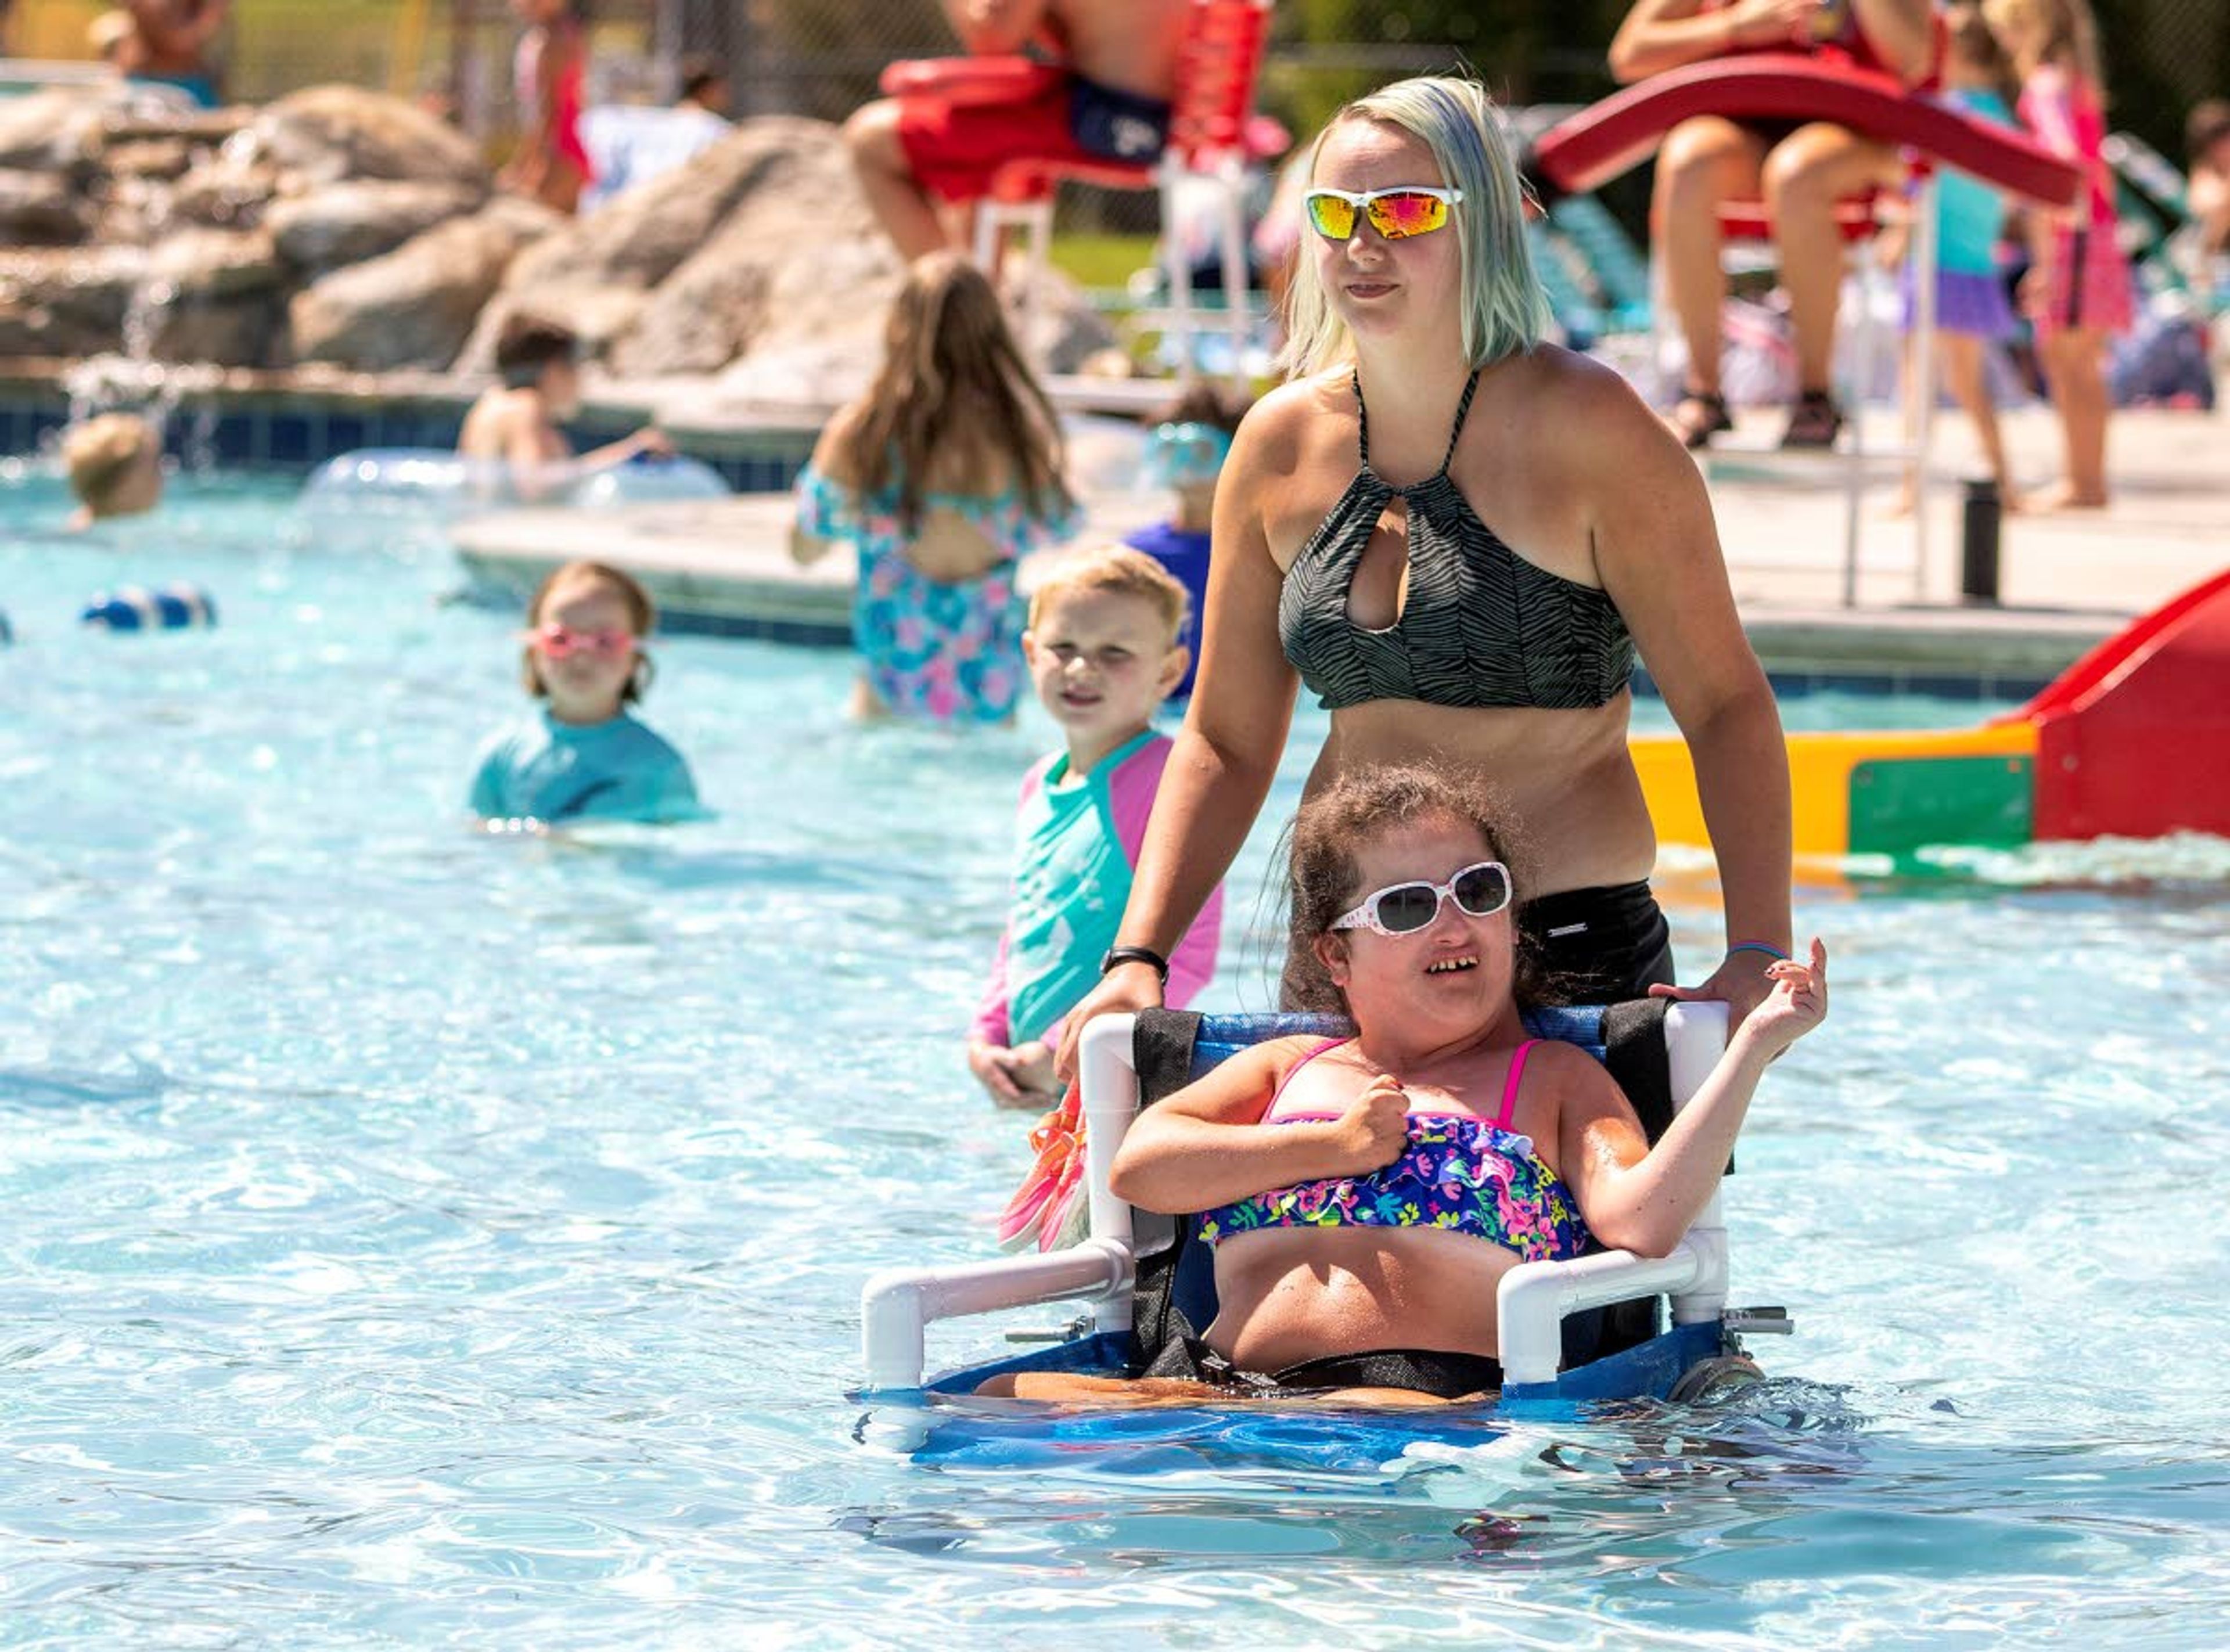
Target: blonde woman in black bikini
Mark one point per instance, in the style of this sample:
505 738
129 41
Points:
1464 576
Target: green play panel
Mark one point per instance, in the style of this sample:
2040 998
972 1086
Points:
1902 804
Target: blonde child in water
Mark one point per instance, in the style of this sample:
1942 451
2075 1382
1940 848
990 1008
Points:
1103 654
114 462
580 755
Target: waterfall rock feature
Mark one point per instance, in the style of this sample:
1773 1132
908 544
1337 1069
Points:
343 226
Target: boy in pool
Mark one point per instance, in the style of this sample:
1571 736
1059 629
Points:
1103 653
115 467
581 757
514 424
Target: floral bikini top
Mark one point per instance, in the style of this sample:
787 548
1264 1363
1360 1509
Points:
1458 1171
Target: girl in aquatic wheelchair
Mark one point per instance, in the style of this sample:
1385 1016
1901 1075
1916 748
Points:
1363 1196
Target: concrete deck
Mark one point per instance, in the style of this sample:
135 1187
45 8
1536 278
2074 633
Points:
2067 581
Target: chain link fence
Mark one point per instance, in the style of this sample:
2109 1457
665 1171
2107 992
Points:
822 57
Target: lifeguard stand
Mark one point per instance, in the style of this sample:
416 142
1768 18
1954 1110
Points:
1214 133
1745 229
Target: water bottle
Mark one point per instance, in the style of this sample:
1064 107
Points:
134 607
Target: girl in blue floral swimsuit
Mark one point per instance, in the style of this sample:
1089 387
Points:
943 476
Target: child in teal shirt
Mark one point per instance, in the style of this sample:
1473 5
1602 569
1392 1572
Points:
580 755
1103 654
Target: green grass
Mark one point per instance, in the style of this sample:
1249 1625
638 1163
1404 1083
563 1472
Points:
1101 260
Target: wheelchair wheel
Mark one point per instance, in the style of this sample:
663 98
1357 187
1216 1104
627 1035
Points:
1716 1380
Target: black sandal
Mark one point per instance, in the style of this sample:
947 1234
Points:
1815 421
1695 432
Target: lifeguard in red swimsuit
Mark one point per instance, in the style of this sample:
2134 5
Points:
1799 169
1102 94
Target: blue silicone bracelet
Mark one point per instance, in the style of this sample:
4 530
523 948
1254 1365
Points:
1757 946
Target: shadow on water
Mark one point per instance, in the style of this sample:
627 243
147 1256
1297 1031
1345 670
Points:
60 1087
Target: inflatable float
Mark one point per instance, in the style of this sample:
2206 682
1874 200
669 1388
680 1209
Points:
1141 1278
435 484
1586 151
2132 741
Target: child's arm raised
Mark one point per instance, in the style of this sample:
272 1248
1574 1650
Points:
1642 1199
1207 1145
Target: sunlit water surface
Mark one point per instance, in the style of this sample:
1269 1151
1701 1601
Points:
413 1237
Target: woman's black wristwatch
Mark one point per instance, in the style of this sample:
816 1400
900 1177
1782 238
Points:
1136 955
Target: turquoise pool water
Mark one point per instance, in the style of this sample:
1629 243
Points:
412 1237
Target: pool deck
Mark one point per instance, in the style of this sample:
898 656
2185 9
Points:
2067 581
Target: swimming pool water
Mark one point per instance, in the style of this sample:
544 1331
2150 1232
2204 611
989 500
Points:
409 1236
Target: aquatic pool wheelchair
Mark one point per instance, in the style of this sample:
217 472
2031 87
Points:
1567 1328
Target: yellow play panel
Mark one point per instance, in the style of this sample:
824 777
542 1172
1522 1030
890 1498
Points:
1863 791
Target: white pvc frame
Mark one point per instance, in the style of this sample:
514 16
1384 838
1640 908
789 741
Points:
897 1305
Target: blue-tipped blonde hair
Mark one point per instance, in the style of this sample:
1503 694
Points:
1504 312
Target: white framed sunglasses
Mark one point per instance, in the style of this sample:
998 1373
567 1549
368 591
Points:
1481 889
1397 213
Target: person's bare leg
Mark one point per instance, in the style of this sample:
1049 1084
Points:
1128 1391
2074 358
1964 370
1065 1386
1703 162
1908 364
904 209
1806 174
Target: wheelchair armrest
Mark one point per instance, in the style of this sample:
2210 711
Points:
1533 1298
897 1305
960 80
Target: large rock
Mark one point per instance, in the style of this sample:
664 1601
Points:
209 295
639 238
216 263
40 210
49 131
331 132
66 301
753 289
347 223
415 308
226 191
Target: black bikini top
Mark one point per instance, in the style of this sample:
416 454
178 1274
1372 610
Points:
1481 626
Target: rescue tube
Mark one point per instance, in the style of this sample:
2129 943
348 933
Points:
135 608
1586 151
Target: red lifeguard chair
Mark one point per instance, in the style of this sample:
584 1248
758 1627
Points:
1214 133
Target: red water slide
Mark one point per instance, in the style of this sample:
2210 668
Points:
2133 739
1587 150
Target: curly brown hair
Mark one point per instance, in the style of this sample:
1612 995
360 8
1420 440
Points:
1324 881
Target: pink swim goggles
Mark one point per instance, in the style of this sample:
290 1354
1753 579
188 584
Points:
560 643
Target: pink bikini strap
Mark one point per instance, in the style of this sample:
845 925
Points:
1510 1086
1292 1071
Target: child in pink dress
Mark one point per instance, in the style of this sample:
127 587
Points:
2078 293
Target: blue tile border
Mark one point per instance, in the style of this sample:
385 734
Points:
297 430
